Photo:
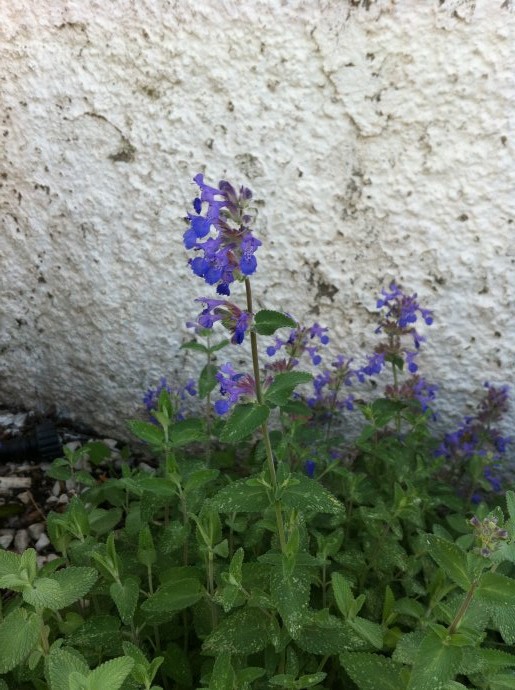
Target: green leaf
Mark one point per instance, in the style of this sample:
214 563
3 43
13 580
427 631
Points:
103 521
186 431
369 631
284 384
193 345
176 665
244 420
383 410
9 563
99 631
372 671
502 681
207 380
495 588
290 595
147 432
198 479
307 495
503 617
435 663
243 632
342 593
173 596
125 595
74 582
45 593
266 321
19 632
61 664
450 558
222 676
326 634
110 674
146 549
241 496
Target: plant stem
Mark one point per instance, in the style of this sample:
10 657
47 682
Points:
264 426
463 609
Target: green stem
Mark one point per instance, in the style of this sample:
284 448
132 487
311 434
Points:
463 609
264 426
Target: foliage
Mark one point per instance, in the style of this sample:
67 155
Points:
269 549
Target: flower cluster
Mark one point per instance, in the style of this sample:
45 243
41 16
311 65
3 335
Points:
305 339
476 438
399 313
177 395
234 319
234 387
328 384
414 388
488 534
219 232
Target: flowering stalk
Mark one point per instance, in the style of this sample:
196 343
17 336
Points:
264 426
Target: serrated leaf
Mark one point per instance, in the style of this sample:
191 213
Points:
45 593
372 671
176 665
74 582
173 596
495 588
198 479
283 385
147 432
342 593
19 632
307 495
222 676
326 634
290 596
125 595
369 631
503 618
110 674
61 664
243 421
9 563
267 321
207 380
501 681
243 632
435 663
450 558
186 431
96 632
241 497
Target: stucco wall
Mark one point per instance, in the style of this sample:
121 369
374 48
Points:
377 137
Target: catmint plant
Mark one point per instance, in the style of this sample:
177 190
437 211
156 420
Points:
272 543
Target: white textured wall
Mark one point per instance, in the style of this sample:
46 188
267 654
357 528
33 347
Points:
376 135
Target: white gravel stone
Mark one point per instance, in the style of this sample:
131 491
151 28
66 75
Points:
63 499
36 530
21 540
42 542
6 539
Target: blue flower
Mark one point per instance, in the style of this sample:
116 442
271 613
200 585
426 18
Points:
222 220
234 319
233 387
309 468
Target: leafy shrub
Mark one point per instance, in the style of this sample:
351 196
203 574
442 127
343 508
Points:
269 549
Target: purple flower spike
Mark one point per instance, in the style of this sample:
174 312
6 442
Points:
221 233
234 387
234 319
309 468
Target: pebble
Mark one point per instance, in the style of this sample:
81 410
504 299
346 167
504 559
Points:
21 540
36 530
56 489
42 542
63 499
6 538
24 497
